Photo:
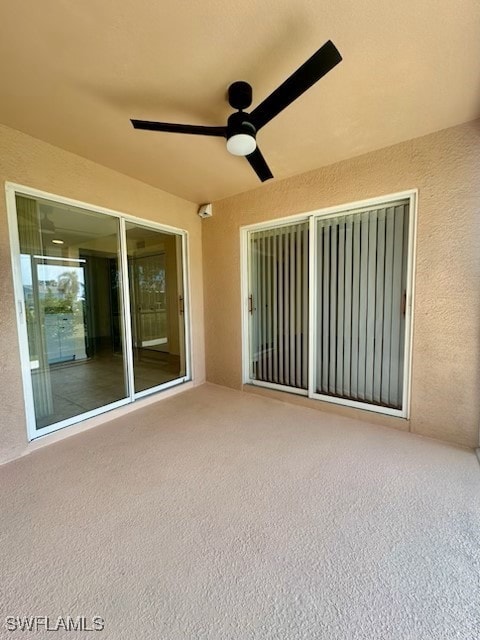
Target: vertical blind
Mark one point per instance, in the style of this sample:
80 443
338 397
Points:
361 271
30 237
279 305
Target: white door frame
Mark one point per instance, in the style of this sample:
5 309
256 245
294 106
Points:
412 196
11 189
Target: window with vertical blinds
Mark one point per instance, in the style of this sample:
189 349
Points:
357 263
279 305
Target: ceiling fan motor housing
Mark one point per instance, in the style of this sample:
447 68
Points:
240 123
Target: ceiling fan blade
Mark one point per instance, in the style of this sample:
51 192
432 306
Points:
259 165
302 79
180 128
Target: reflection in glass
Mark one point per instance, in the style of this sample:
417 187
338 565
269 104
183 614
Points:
70 273
156 301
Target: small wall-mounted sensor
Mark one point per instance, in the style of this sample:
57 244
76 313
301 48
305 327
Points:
205 211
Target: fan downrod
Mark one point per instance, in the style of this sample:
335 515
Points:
240 95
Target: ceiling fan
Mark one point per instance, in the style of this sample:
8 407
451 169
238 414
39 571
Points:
242 127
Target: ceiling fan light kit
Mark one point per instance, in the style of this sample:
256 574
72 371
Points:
241 144
242 127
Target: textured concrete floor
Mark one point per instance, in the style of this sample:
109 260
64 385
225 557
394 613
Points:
221 515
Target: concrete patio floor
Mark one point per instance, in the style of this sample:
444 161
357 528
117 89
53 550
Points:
223 515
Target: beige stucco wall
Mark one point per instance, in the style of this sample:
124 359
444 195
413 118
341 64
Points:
28 161
445 167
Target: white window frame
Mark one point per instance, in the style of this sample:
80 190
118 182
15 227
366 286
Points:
13 189
312 216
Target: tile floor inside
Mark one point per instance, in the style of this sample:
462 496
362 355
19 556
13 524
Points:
79 387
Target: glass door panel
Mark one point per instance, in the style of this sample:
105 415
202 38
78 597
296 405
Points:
70 268
361 283
156 306
279 306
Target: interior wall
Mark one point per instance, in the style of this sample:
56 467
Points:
33 163
445 168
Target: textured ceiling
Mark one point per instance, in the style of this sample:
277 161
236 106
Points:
73 73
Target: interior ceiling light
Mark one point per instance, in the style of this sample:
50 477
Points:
58 241
242 127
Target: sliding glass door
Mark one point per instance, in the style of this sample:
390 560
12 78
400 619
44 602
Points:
329 306
69 266
156 306
101 310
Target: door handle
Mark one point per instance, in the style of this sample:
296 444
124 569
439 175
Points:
181 304
20 310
